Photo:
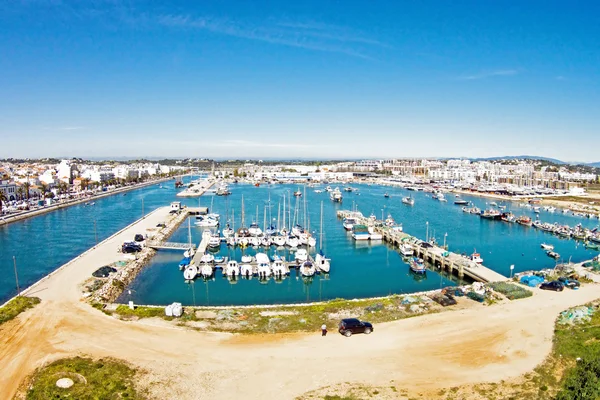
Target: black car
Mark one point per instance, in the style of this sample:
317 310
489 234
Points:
554 285
349 326
426 245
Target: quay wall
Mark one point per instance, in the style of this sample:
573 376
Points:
28 214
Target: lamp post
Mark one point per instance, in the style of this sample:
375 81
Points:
445 236
16 276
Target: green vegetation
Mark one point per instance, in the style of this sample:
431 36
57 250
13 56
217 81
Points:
307 318
101 379
510 290
16 306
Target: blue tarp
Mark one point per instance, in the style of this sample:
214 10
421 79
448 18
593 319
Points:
531 280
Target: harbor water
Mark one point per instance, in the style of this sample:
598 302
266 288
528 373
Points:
43 243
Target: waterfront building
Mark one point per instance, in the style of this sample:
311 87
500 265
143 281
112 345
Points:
9 189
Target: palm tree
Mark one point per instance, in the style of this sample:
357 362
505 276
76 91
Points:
3 198
62 187
85 182
20 192
43 189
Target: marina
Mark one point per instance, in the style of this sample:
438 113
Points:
358 268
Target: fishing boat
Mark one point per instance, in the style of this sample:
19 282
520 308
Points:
407 250
546 246
417 265
408 200
476 258
307 268
360 232
335 195
491 214
508 217
592 246
552 254
524 220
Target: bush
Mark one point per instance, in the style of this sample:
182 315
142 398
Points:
16 306
511 291
582 382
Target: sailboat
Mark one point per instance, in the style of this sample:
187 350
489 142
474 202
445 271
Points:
322 263
408 200
189 253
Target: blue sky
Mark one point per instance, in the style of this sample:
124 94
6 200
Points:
313 79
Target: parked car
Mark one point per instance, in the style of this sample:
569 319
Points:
349 326
554 285
570 283
139 237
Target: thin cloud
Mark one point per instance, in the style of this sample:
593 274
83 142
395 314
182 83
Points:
486 75
284 34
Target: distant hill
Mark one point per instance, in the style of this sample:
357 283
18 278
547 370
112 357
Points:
595 165
553 160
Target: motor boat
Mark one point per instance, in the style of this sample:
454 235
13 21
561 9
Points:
417 265
254 229
292 241
228 232
279 268
206 270
206 221
279 240
408 200
407 250
232 268
214 241
246 258
184 263
265 241
246 270
207 258
335 195
476 257
547 246
349 223
254 241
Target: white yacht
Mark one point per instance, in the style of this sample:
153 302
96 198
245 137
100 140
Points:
206 221
254 241
292 241
246 258
190 272
349 223
207 258
254 229
279 240
232 268
246 270
206 270
408 200
279 268
214 241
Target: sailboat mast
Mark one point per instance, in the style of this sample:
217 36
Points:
243 211
278 215
283 211
321 233
257 213
265 219
304 223
233 220
190 232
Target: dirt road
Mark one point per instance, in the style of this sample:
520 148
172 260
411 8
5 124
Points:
459 347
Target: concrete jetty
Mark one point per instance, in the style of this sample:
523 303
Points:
196 189
435 255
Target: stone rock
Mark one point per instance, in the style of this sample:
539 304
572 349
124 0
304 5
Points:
64 383
415 308
276 313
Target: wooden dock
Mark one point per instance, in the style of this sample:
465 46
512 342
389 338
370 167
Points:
435 255
169 245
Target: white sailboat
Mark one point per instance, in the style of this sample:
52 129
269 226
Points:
301 255
206 270
307 268
189 253
322 263
279 268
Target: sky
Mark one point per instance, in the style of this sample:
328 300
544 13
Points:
302 79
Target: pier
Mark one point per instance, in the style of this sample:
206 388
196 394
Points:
169 246
196 190
435 255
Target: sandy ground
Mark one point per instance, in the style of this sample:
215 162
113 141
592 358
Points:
477 344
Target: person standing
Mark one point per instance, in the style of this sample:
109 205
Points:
323 330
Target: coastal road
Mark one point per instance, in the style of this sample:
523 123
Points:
475 344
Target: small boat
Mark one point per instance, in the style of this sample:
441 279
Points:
246 270
349 223
408 200
279 268
264 265
254 241
292 241
476 257
219 259
461 202
387 196
206 221
523 220
279 240
491 214
552 254
348 189
184 263
547 246
298 193
228 232
207 258
417 265
254 229
257 184
592 246
336 195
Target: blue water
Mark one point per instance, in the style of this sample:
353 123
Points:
358 269
41 244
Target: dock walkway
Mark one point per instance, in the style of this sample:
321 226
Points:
435 255
196 190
